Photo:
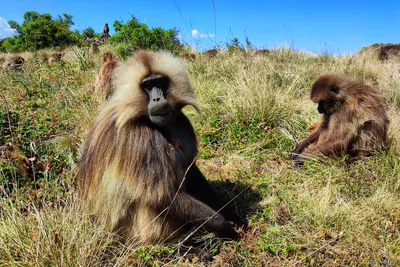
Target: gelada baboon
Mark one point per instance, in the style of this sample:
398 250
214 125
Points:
211 53
104 79
188 55
14 62
354 119
55 57
106 30
94 48
387 50
261 52
137 169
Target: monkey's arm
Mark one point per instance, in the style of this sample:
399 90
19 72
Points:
312 138
328 148
315 126
189 209
198 187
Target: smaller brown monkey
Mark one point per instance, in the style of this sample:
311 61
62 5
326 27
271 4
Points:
94 48
354 120
106 30
261 52
188 56
387 50
54 58
104 79
14 62
211 53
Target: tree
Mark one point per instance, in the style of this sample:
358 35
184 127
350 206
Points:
139 35
39 31
14 25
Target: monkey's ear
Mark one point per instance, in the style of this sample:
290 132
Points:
334 89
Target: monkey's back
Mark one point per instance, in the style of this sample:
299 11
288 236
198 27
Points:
104 82
372 120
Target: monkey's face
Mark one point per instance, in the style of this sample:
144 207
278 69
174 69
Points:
328 96
159 110
328 106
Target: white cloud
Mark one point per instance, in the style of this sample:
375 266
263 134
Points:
196 34
5 30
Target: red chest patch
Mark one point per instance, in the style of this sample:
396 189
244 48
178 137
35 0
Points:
175 142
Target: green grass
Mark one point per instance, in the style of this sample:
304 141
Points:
327 212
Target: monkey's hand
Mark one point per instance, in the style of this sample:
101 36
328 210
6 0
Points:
223 228
229 232
293 155
238 222
297 158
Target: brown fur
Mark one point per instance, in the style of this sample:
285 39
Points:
130 172
94 49
55 57
104 79
211 53
13 62
188 56
106 30
261 52
387 50
357 124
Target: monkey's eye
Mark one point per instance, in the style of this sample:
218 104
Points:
333 89
157 81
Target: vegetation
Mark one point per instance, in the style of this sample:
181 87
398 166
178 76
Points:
39 31
134 35
327 212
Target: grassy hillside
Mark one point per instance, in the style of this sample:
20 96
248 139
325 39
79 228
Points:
327 212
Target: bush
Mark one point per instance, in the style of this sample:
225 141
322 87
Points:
39 31
139 36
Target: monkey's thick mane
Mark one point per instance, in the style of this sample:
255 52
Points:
126 151
126 164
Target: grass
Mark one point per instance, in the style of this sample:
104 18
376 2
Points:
326 213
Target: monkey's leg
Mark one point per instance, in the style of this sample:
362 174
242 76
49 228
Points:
335 142
189 209
328 148
198 187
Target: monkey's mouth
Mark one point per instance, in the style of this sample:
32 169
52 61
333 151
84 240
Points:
161 114
161 118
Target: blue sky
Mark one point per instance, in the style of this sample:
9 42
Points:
315 26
